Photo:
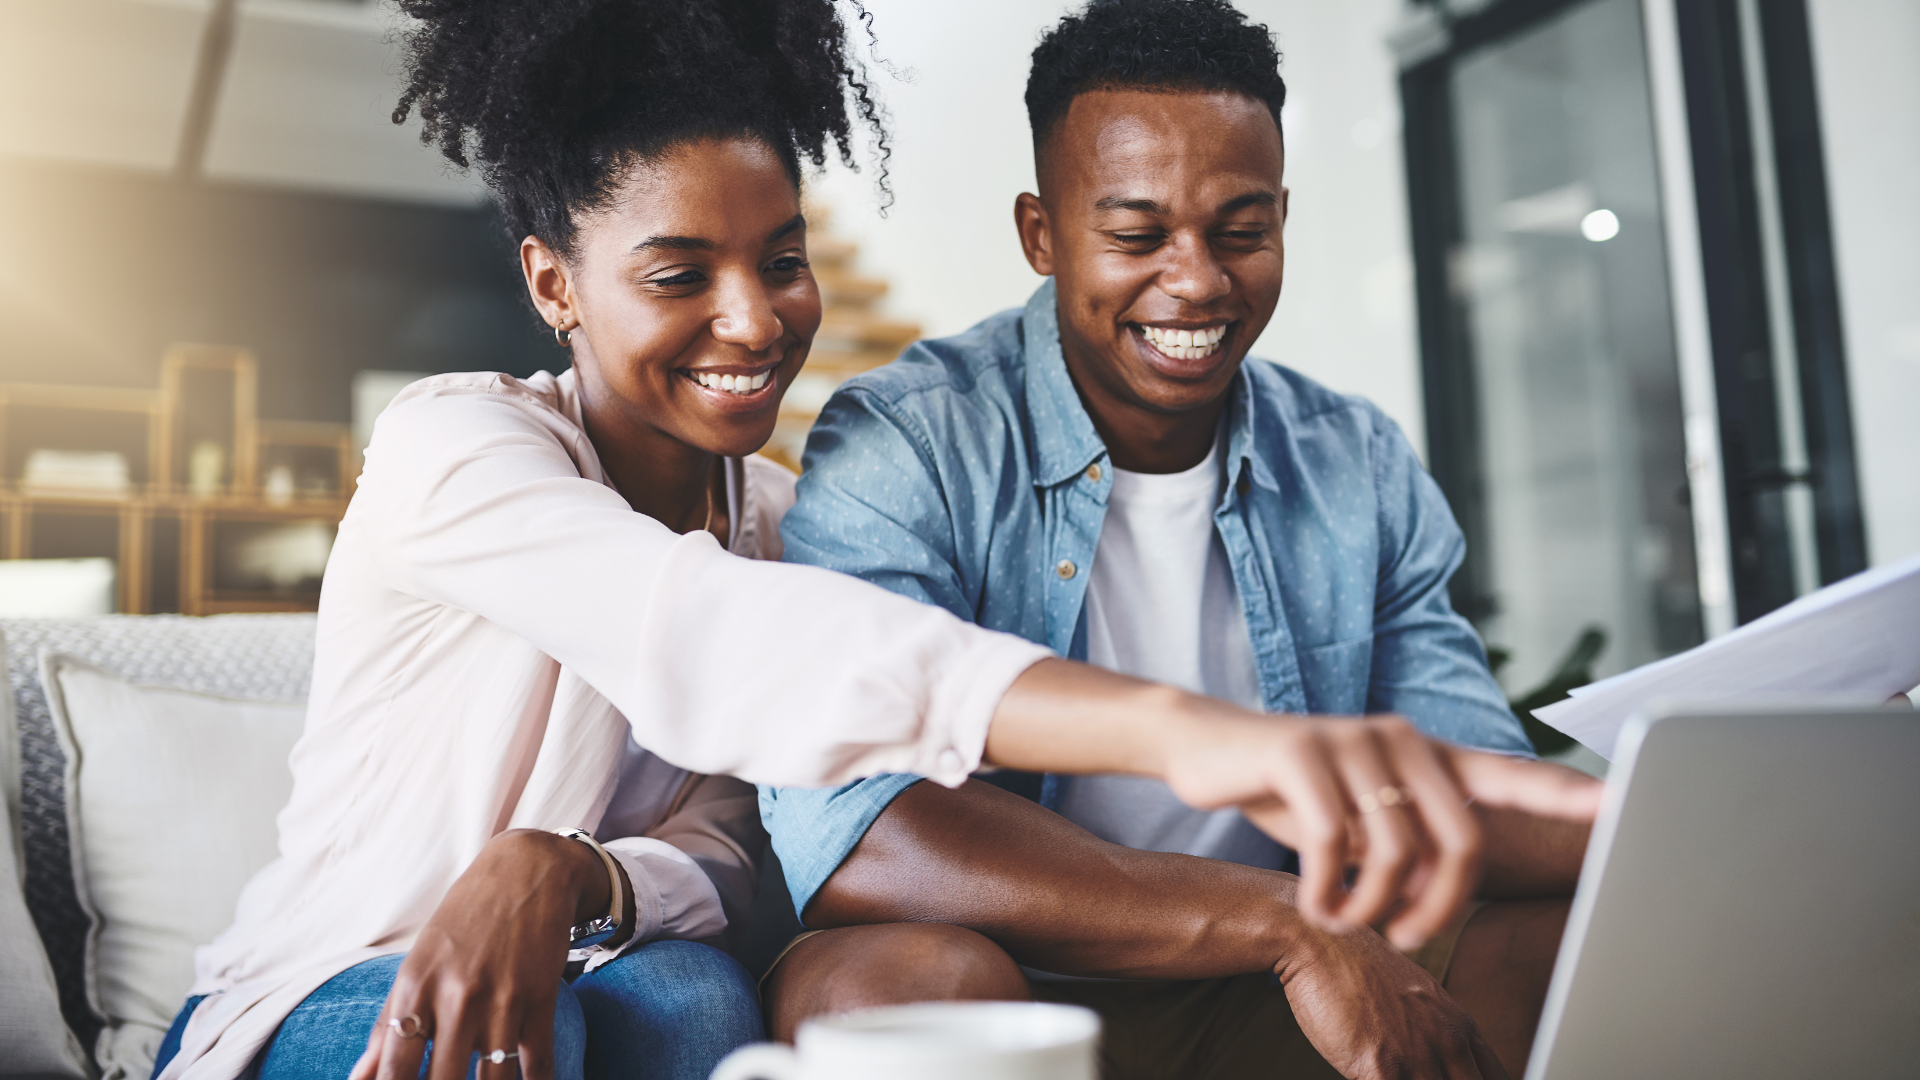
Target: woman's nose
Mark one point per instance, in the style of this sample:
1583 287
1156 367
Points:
747 319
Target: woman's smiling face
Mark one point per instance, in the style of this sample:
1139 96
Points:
689 299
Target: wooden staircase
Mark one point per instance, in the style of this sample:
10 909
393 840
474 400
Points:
853 337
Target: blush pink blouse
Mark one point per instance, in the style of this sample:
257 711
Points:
504 643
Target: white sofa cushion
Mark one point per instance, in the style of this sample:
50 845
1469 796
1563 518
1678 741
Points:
171 800
257 657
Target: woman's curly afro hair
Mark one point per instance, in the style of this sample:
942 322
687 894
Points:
1151 45
556 100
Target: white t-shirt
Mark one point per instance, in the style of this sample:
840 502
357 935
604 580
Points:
1161 604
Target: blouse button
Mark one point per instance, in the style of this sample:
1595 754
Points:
1093 472
1066 569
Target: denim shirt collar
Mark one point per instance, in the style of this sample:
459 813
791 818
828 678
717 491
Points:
1063 439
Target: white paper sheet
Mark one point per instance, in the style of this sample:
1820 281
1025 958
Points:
1854 642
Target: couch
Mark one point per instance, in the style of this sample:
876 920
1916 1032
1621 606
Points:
143 762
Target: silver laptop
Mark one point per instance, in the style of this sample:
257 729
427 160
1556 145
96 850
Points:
1750 904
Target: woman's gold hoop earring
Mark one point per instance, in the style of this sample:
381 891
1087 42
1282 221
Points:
562 338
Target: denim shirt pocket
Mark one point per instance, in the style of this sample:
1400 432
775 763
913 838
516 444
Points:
1336 675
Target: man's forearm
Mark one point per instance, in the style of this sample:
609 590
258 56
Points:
1055 896
1530 857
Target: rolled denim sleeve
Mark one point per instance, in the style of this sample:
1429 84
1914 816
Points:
1428 663
815 829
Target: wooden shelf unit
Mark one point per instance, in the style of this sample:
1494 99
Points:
159 500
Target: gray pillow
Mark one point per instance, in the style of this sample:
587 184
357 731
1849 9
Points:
34 1042
250 657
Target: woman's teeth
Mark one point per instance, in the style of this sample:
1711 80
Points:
735 384
1185 344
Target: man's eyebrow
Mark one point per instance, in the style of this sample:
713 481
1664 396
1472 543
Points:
793 224
674 243
1251 198
1121 202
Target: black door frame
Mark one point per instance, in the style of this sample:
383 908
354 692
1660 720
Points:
1746 395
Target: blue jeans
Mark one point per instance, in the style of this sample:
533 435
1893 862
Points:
668 1010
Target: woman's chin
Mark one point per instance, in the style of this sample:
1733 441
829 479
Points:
741 439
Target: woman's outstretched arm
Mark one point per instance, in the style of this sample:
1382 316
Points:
474 499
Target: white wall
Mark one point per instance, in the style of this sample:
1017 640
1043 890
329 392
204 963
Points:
105 82
308 100
962 152
1869 86
304 102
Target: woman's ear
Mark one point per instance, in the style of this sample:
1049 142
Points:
1036 232
549 284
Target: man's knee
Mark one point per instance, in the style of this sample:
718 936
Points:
896 963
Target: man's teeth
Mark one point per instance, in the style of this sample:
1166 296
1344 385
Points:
737 384
1185 344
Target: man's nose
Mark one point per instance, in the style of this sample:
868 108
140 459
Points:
1193 275
747 319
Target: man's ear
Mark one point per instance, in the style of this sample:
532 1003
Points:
548 283
1286 196
1036 232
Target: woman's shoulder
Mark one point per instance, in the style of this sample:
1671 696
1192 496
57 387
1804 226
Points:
443 421
541 390
766 498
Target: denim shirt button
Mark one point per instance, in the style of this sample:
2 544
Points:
1093 472
1066 569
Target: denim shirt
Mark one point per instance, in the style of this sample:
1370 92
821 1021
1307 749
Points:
968 474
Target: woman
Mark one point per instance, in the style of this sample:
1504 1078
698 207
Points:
546 605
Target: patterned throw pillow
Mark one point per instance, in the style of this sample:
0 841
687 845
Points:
250 657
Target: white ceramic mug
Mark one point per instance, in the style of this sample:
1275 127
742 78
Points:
939 1040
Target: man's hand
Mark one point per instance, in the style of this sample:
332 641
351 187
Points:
1375 1015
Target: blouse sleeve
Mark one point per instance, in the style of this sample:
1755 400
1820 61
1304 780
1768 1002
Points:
694 873
775 673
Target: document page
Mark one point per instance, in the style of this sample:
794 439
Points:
1854 642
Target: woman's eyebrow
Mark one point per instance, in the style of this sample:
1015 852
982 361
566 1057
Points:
793 224
674 243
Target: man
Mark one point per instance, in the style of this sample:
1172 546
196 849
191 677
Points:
1101 472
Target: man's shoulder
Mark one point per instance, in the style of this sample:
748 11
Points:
981 364
1296 399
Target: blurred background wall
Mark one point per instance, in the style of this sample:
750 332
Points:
1869 84
263 201
224 172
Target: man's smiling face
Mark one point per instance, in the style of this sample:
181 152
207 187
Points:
1159 217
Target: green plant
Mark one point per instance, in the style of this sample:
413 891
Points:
1575 669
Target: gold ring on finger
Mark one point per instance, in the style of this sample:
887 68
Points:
1387 796
408 1026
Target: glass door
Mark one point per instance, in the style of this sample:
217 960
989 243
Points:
1555 402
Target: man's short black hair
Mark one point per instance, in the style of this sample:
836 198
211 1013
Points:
1171 45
